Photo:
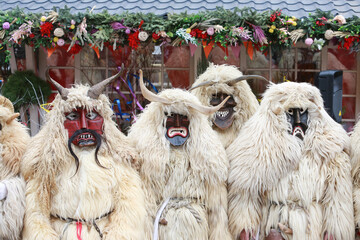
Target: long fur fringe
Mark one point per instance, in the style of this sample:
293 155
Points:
13 141
196 171
52 187
246 102
274 177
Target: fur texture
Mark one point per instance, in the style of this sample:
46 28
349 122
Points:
193 174
53 189
13 140
246 102
276 178
355 160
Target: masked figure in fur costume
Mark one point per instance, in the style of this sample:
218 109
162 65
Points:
13 140
80 184
355 160
213 86
289 174
183 167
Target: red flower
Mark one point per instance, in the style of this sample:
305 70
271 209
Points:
75 49
134 40
155 36
32 35
46 28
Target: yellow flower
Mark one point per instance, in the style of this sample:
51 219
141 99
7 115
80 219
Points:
43 18
273 27
271 30
72 26
188 30
294 24
56 39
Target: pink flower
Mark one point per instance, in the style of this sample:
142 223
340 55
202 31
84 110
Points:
6 25
309 41
210 31
60 42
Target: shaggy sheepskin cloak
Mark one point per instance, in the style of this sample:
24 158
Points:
13 140
111 196
191 176
246 102
275 177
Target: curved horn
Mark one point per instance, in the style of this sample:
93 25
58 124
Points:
63 91
245 77
98 88
148 94
208 110
6 103
207 83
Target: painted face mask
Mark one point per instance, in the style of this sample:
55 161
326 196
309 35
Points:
177 129
298 119
225 116
84 127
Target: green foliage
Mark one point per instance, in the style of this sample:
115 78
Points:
100 30
24 87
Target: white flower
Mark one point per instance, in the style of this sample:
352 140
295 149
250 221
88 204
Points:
143 36
218 28
341 20
59 32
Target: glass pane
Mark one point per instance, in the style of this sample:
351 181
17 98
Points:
341 59
282 76
177 78
349 83
65 77
91 76
177 57
258 86
284 59
119 56
217 56
259 61
348 126
308 59
348 108
89 57
306 77
60 57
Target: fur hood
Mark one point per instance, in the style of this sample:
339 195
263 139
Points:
207 155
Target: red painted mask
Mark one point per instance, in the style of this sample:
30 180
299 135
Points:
177 129
79 121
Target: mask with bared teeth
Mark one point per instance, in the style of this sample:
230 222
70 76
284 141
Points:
298 118
177 129
225 116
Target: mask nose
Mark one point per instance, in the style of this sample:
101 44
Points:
297 119
177 120
83 121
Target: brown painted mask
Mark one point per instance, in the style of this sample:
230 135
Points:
224 117
177 129
298 118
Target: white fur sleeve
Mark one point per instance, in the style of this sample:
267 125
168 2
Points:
218 219
244 212
12 209
337 201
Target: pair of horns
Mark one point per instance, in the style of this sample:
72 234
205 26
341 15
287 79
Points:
94 92
155 98
231 81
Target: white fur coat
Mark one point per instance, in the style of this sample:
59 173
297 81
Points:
276 178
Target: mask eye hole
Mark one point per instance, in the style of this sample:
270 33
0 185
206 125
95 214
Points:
302 110
91 115
0 126
290 111
72 116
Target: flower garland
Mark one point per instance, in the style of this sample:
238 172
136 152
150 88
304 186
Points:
272 29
